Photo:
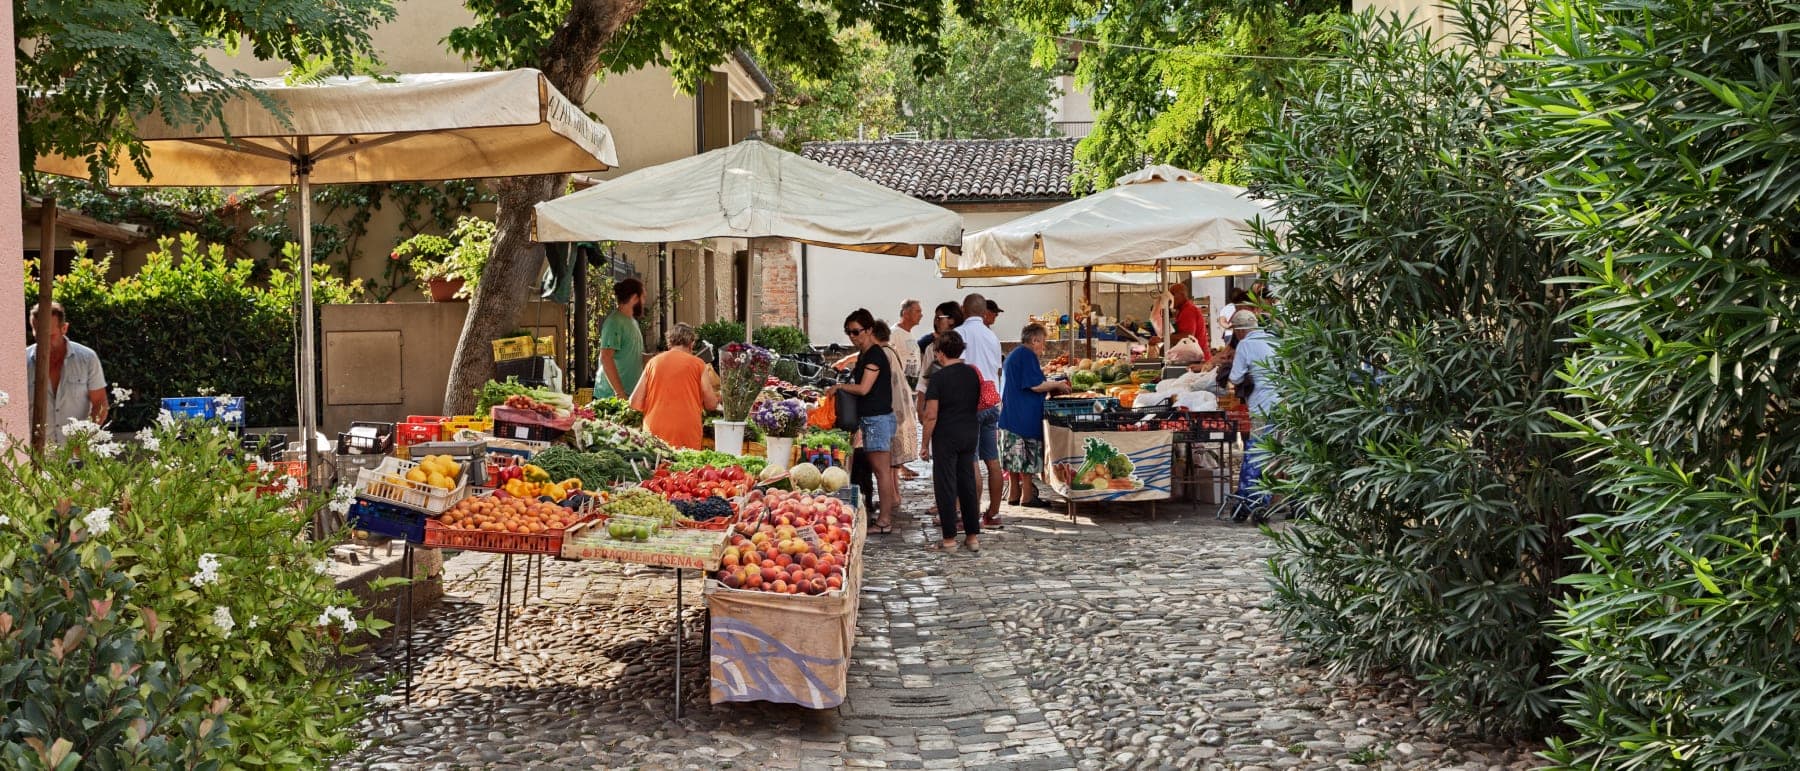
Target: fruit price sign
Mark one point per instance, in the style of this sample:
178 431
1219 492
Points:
1108 465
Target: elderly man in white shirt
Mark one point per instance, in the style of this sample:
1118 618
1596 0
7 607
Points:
983 353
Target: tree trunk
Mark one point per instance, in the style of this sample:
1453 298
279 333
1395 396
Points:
568 61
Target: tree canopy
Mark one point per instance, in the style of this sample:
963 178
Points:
988 87
1176 81
85 68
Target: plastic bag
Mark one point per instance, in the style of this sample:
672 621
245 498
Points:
1186 352
824 416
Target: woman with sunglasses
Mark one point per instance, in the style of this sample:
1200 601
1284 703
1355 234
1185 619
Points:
948 316
872 383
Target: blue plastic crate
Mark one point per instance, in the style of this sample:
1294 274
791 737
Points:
227 408
387 519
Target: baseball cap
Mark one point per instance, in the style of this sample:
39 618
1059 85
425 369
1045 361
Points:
1244 320
994 307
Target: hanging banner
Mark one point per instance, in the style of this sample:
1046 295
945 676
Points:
1108 465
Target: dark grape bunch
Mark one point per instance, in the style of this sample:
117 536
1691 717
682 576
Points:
700 510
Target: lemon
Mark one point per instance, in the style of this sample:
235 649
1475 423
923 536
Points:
419 474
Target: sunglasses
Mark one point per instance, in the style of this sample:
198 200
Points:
853 332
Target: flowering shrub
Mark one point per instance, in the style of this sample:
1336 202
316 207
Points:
742 371
222 590
780 417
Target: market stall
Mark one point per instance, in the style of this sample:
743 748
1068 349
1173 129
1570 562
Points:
533 475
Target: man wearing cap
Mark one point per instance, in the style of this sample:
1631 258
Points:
993 313
1251 365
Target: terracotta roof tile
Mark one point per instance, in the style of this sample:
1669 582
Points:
958 170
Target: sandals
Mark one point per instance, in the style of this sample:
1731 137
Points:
939 547
972 548
1037 503
887 529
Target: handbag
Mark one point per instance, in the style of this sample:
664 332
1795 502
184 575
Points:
990 394
847 419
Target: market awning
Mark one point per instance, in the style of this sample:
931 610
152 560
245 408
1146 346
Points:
1158 215
410 128
749 190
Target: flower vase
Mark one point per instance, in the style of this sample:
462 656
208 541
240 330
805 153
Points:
728 436
779 450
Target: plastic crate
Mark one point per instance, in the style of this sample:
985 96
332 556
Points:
509 348
387 483
348 465
408 434
583 396
531 370
273 473
545 346
385 519
381 443
448 429
528 432
267 447
518 448
226 408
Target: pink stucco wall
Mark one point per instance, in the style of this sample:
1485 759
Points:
15 415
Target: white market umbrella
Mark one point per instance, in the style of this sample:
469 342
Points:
1161 214
749 190
362 130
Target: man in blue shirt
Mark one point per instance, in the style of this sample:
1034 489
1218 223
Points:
1023 389
1252 363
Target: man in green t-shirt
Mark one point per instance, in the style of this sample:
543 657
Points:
621 343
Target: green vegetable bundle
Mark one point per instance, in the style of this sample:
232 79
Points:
688 460
596 470
832 439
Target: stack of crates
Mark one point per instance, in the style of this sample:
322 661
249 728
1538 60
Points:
447 430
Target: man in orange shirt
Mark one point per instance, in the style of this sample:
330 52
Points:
1189 321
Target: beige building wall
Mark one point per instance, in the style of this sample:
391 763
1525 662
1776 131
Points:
15 415
1433 14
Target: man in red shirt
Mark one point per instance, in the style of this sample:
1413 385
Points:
1189 321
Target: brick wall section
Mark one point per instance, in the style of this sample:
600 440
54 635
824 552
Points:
779 302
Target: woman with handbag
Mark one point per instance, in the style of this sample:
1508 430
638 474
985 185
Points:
872 383
952 402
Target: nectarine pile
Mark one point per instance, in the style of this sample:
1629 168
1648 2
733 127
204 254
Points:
788 543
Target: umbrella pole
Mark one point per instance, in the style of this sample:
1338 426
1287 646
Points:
1162 278
309 418
753 284
1071 306
40 371
1087 300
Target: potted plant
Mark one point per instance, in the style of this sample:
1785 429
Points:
743 369
449 267
780 420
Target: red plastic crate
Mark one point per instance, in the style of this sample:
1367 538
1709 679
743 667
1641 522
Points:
410 433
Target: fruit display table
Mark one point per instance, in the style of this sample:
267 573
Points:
1108 466
786 648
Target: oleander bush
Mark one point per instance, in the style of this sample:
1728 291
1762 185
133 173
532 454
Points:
193 322
1418 346
720 332
1671 136
216 597
785 340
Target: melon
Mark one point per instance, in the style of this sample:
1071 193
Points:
835 479
804 476
771 473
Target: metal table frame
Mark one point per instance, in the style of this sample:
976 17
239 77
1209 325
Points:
503 614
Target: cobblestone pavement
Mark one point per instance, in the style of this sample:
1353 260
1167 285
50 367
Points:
1114 641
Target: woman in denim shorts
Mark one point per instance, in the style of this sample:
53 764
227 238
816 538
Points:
873 386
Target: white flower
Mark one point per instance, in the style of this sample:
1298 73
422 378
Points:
322 567
78 428
5 399
207 391
255 621
5 520
209 571
341 499
221 618
232 416
98 521
165 419
290 487
334 612
121 394
147 438
108 449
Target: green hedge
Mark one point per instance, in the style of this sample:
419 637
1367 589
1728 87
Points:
1675 134
190 322
1418 341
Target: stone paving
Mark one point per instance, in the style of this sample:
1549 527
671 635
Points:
1113 641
